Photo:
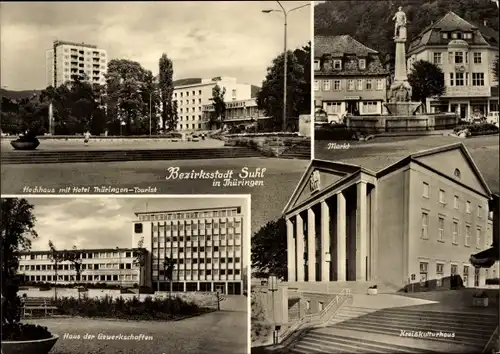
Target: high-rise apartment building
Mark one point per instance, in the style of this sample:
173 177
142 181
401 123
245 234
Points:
67 61
207 246
192 94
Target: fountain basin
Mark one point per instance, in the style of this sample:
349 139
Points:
402 108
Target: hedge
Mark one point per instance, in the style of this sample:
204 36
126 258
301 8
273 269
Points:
334 132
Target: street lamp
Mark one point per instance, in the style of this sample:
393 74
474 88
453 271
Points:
272 287
285 50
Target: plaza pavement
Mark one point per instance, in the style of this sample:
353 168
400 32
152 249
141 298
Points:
223 332
381 152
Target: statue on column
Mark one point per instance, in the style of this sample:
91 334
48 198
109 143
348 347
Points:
400 18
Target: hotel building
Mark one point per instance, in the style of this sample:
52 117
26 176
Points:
115 266
67 61
192 94
465 52
348 78
414 223
207 246
237 112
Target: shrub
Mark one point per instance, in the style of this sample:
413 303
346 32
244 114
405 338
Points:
477 129
24 332
44 287
333 132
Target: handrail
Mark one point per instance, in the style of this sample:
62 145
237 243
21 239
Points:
319 317
491 343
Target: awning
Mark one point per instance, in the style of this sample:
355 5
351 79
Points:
486 258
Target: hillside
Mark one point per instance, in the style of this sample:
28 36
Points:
17 95
370 22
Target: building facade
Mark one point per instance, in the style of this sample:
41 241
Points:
67 61
207 246
465 52
237 112
412 225
114 266
348 78
192 94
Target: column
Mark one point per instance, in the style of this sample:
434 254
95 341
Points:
211 286
299 236
341 237
311 244
325 241
225 288
197 286
290 250
361 231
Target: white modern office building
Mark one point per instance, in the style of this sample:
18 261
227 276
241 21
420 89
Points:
67 61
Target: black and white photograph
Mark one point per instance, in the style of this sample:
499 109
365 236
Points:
389 242
92 274
105 97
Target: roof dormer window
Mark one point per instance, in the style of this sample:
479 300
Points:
444 35
316 65
467 35
337 64
362 64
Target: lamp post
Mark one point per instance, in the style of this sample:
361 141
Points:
285 53
272 287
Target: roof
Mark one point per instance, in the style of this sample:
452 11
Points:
188 81
339 46
451 22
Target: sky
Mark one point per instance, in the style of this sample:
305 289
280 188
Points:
106 222
203 39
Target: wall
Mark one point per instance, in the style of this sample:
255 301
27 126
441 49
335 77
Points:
331 95
379 124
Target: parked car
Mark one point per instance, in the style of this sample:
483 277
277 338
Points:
492 117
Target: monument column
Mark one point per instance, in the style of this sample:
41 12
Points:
341 237
299 237
325 241
311 245
361 231
290 250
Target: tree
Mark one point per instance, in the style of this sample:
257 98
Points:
17 226
168 271
426 80
269 250
166 85
270 96
219 113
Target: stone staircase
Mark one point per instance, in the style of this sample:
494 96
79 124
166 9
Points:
301 150
370 330
72 156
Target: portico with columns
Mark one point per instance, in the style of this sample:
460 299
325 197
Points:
331 224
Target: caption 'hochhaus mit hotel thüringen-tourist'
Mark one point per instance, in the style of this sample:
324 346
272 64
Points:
411 225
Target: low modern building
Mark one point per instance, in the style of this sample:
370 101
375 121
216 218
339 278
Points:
207 246
465 52
411 225
349 77
116 266
237 112
194 93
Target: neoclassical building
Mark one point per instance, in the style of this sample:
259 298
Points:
417 221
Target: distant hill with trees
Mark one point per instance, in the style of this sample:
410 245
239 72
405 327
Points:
370 22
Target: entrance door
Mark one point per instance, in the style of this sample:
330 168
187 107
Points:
463 111
219 288
351 107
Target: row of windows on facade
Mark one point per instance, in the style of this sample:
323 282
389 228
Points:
191 215
83 255
456 35
455 232
335 107
337 64
352 85
75 64
458 58
75 57
94 52
424 271
462 79
194 226
221 239
187 273
193 93
192 126
193 109
456 200
112 277
95 67
188 261
208 249
97 266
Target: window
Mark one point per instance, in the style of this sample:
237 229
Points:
455 233
457 173
467 207
479 211
439 274
477 79
454 36
425 192
423 273
380 84
438 58
441 197
478 237
336 85
369 85
466 276
326 85
370 107
467 235
337 64
456 203
425 225
459 79
359 84
316 85
441 229
459 57
451 79
444 35
332 107
477 58
362 63
316 65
